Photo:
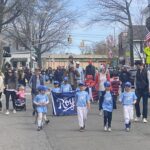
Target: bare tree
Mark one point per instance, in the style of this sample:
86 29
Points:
9 11
43 26
115 11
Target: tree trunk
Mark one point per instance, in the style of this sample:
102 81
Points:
39 58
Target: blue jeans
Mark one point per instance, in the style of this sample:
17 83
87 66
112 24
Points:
144 95
101 99
107 118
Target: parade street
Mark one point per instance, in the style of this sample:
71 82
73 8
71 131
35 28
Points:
18 132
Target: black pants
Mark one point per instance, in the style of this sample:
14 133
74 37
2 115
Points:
144 95
0 100
13 97
107 118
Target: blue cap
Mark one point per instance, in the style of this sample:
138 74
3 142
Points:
107 84
128 84
65 78
42 88
56 82
81 84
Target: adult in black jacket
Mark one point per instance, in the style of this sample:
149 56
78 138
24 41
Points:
142 82
124 77
90 70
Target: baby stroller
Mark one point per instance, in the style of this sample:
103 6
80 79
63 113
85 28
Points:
20 102
92 87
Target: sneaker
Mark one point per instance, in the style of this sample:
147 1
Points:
105 128
145 120
100 113
7 112
127 129
47 121
109 129
14 111
137 119
81 129
39 128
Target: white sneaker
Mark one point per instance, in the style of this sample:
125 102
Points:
100 113
127 129
7 112
105 128
137 119
109 129
14 111
145 120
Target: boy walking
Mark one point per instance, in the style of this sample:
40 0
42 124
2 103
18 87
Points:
83 104
128 99
107 106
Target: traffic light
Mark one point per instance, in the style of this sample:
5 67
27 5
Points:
82 45
6 52
69 39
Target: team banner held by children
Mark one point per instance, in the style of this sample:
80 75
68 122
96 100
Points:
63 103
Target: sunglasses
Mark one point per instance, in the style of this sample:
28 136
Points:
9 72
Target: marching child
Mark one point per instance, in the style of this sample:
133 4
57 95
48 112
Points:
83 104
66 87
56 88
41 101
128 99
107 106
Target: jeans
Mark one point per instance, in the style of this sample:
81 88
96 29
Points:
144 95
0 100
13 97
101 99
107 118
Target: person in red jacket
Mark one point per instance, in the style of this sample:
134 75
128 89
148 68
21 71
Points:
115 83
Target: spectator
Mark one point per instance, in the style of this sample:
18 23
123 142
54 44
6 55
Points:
142 82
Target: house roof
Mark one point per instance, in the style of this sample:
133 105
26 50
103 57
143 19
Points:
139 32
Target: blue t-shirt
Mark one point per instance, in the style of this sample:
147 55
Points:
56 90
82 98
41 98
108 102
127 98
66 88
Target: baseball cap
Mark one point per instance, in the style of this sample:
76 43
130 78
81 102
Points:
78 62
128 84
81 84
56 82
42 88
65 78
107 84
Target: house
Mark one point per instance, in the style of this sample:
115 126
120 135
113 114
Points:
139 33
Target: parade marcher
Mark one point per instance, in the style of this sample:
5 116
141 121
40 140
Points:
124 77
58 75
66 87
10 89
35 81
80 77
1 88
103 77
83 104
41 101
142 83
56 87
107 106
128 99
90 70
115 83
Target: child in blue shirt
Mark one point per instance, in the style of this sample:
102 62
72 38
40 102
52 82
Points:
41 101
83 104
66 87
128 99
107 106
56 88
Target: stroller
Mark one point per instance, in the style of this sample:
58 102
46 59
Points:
92 87
20 103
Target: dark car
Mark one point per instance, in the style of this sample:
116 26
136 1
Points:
132 76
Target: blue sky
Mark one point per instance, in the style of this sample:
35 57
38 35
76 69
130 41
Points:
94 33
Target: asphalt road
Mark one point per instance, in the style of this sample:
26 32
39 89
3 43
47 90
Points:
18 132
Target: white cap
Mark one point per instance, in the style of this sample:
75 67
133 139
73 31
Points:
78 62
